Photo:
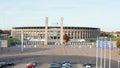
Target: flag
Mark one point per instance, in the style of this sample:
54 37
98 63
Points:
98 42
111 45
110 49
0 42
103 44
106 44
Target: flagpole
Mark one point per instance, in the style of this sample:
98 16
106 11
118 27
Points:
102 48
105 59
21 41
110 52
105 54
101 59
118 63
97 54
110 59
118 58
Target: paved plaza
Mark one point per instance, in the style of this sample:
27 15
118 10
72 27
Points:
44 55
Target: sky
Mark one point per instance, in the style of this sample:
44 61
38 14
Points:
103 14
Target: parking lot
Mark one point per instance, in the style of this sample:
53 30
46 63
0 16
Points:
44 55
47 66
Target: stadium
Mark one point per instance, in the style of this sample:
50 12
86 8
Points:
46 34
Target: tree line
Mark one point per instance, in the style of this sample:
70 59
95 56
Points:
5 32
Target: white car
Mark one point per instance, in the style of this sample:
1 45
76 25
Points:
87 65
32 63
66 65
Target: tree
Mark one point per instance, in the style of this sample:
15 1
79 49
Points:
66 37
1 31
7 32
118 43
102 33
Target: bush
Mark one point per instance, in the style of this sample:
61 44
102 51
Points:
93 40
118 43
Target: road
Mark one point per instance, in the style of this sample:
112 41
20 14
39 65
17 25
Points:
44 55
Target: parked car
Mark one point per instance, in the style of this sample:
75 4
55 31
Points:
31 64
10 64
66 65
55 65
2 64
5 64
88 65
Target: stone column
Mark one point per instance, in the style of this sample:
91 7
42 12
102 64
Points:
87 34
46 31
73 34
79 35
82 34
22 41
12 34
61 31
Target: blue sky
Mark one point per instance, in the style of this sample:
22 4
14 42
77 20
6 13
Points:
104 14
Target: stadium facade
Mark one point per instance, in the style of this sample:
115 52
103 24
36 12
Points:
45 34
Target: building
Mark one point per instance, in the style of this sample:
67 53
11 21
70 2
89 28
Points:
118 34
46 34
